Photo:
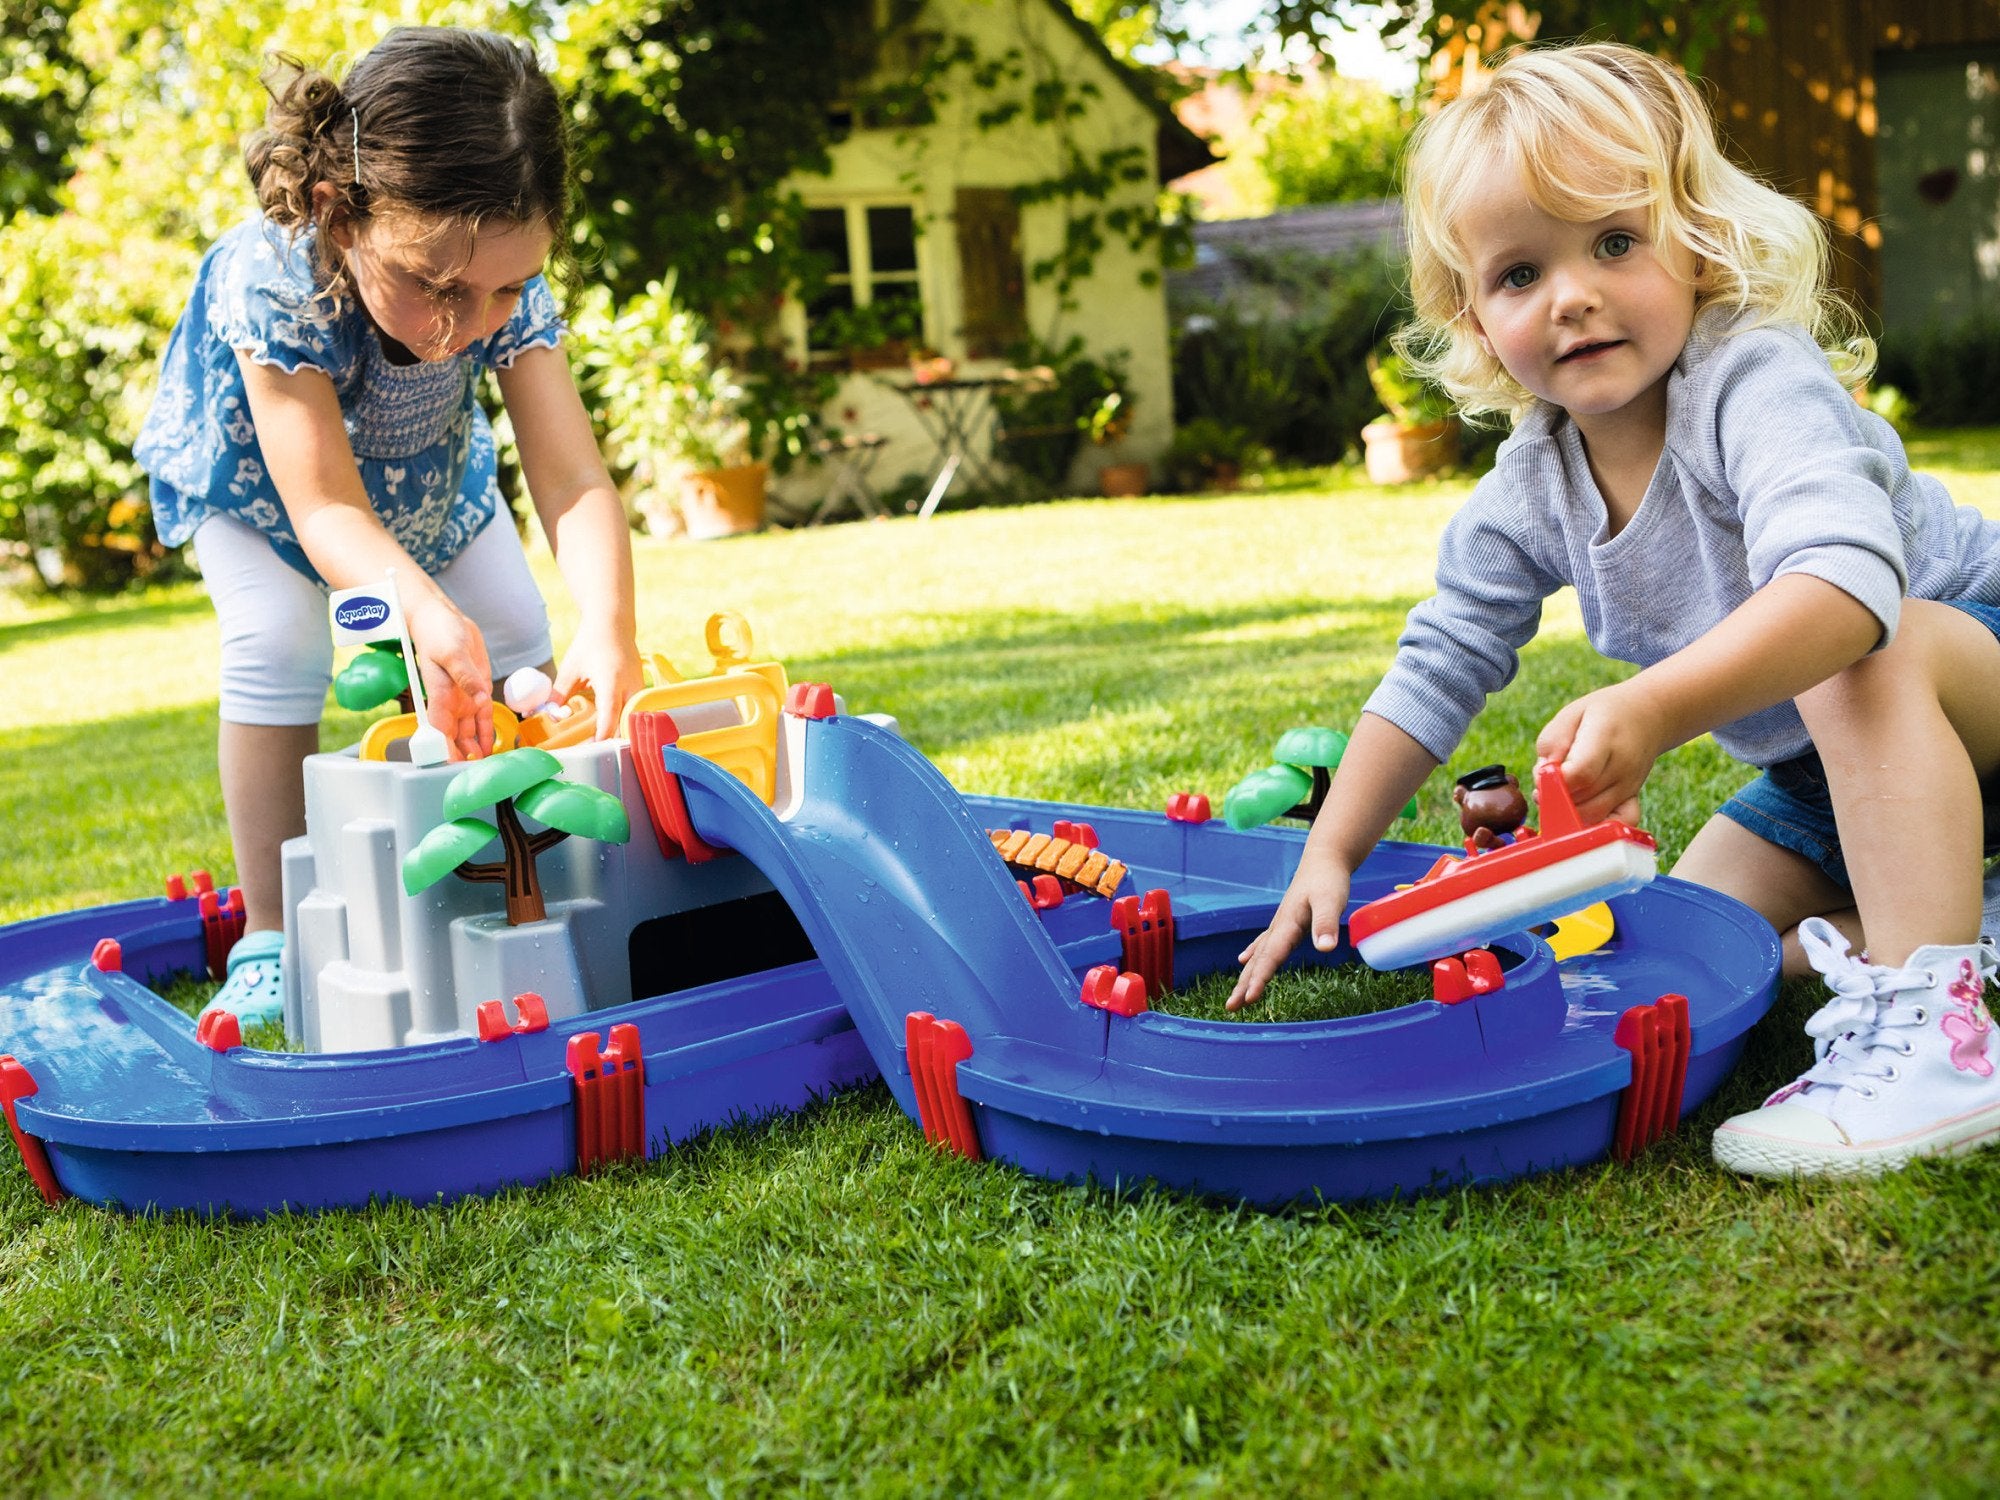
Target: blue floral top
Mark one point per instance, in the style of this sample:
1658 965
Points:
424 446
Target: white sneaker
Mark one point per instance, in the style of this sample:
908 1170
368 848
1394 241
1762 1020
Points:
1908 1065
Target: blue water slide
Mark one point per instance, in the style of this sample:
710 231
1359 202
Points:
903 896
909 908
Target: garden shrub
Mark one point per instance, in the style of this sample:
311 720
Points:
1042 425
1950 374
1334 140
84 312
1288 362
1207 453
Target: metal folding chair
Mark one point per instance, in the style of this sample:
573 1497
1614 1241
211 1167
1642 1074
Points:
852 456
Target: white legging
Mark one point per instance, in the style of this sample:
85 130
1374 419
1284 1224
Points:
277 646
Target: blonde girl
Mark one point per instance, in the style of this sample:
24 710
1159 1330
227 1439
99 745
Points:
1686 455
317 421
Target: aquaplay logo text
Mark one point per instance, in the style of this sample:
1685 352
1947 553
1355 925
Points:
363 613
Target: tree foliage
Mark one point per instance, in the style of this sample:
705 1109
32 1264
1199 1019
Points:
688 116
1333 141
42 87
1127 27
1686 30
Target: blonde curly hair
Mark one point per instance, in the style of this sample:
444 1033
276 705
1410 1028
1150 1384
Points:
1596 129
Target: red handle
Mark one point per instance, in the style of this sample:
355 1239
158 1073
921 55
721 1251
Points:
1552 796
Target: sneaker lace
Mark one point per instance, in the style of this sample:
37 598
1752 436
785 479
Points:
1857 1023
1849 1029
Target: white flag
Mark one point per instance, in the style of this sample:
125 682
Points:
369 612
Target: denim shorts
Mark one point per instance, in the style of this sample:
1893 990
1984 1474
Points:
1789 804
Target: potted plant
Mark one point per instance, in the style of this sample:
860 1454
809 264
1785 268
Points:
880 336
1208 454
1058 398
1417 433
696 435
719 488
1105 423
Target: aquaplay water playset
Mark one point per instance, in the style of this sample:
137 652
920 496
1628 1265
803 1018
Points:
574 953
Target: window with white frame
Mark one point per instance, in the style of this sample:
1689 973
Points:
873 297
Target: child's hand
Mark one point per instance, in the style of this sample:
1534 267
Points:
1314 903
605 659
458 683
1606 743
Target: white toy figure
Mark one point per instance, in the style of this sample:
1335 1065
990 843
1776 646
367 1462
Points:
529 691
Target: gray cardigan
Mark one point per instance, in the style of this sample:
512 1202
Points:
1770 468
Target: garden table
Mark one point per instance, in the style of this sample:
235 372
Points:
957 414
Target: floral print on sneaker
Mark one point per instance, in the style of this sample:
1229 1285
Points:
1967 1023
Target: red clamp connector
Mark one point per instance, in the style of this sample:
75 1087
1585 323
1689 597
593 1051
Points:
810 700
1188 807
16 1083
1076 833
1145 927
219 1029
935 1049
610 1090
493 1024
107 957
666 808
1043 893
1659 1038
1107 989
1454 979
180 887
221 926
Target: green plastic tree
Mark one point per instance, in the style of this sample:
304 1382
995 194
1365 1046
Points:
1296 785
1264 795
513 783
373 678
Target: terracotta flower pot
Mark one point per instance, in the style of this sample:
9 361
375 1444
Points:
723 502
1120 480
1396 454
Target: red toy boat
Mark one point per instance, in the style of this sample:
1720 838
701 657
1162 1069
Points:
1566 868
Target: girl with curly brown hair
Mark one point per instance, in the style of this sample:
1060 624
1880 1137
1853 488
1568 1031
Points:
317 422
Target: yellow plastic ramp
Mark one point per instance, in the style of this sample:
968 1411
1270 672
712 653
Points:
747 750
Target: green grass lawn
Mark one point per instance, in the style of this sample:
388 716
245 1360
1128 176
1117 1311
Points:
821 1303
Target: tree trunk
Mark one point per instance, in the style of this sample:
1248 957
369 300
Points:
524 882
518 874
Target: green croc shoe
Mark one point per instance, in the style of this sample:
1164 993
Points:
254 990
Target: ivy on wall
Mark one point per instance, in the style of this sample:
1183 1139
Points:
1099 189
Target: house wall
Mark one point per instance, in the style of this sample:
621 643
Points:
1115 309
1800 106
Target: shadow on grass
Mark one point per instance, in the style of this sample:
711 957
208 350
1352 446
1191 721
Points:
973 675
90 616
103 811
1198 696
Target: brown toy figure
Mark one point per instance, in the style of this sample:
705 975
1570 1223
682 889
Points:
1491 805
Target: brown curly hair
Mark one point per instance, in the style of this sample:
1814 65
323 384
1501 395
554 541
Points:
459 127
